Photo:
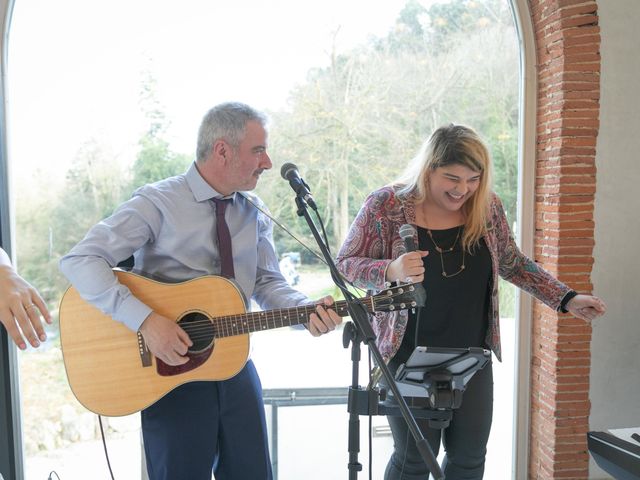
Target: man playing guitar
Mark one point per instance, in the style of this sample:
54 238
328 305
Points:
171 229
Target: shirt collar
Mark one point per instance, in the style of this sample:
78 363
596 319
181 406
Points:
202 191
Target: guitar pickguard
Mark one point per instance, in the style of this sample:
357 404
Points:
195 360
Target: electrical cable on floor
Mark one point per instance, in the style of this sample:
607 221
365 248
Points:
104 444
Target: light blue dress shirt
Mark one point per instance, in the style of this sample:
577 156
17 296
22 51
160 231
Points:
170 229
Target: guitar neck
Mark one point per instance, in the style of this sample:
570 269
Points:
267 320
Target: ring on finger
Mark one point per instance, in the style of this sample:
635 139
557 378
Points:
30 306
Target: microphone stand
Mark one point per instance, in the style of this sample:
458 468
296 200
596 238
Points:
363 332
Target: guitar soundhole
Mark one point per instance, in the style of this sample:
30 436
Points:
200 330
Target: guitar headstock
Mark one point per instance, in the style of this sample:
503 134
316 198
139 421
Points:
397 297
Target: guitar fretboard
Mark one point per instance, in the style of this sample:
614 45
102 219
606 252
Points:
241 324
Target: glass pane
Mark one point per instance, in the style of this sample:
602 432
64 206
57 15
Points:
105 97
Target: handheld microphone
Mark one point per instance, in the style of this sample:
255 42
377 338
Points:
406 233
290 173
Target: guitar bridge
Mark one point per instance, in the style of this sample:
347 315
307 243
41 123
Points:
143 350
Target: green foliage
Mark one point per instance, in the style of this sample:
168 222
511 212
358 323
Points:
52 221
156 161
507 301
353 126
36 261
410 17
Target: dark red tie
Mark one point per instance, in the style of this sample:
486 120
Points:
224 239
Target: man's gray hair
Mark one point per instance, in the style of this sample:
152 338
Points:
226 121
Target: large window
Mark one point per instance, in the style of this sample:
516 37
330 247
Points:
106 96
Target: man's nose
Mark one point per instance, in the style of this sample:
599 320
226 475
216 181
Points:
266 162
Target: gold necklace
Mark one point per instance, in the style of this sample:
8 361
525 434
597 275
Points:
441 251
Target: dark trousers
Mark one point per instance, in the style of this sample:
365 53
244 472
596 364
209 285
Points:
464 440
205 426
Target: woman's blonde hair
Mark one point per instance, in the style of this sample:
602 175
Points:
452 145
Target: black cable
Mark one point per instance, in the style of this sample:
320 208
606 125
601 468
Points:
104 444
305 246
370 422
283 228
53 472
324 232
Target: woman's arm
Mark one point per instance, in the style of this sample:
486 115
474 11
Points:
523 272
366 253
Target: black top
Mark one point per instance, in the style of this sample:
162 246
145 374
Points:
456 313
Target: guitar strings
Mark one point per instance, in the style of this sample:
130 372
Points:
246 323
257 318
231 325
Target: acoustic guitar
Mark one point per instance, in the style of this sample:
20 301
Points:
110 369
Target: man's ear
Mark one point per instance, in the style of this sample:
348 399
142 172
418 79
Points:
221 151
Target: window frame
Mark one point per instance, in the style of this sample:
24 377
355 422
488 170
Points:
11 460
525 232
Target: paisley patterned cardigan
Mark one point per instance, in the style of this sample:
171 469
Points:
373 242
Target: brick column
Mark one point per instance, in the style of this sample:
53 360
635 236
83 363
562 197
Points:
568 71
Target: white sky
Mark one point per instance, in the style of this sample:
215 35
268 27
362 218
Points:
75 66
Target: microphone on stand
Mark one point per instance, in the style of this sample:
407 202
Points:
406 233
290 173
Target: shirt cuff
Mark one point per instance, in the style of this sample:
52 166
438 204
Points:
132 313
563 304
